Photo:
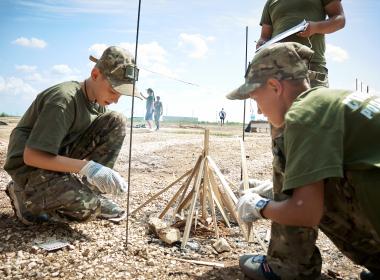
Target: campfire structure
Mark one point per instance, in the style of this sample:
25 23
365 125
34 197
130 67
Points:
205 193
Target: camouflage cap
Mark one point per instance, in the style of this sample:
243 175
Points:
281 61
118 66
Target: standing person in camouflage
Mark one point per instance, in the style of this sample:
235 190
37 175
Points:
332 166
61 153
323 17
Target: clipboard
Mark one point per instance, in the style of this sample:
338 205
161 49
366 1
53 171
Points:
298 28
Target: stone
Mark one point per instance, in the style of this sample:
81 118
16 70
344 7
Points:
221 245
156 224
193 245
169 235
150 262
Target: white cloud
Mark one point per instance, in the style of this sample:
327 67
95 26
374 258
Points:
15 86
194 44
31 43
62 69
79 6
148 53
34 77
336 53
26 68
151 53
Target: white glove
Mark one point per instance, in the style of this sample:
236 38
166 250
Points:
263 188
249 207
104 178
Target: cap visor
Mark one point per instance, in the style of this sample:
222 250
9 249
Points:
93 59
242 92
126 89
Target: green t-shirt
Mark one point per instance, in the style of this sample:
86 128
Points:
285 14
328 132
56 118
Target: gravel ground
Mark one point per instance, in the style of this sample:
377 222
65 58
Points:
98 249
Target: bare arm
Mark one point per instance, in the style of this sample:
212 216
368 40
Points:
304 208
51 162
336 20
266 34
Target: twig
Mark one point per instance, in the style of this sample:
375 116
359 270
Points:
200 262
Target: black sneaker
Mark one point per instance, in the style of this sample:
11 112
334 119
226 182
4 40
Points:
110 210
18 207
256 267
368 275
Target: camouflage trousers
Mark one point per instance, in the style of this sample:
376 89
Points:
292 252
65 197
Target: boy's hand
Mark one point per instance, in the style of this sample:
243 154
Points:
105 179
249 207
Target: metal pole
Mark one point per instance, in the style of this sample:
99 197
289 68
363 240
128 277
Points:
356 84
245 69
131 134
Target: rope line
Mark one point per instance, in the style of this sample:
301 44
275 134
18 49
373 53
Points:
171 78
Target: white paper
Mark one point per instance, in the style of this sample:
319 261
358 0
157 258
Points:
298 28
53 245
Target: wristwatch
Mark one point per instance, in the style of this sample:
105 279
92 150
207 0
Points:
260 205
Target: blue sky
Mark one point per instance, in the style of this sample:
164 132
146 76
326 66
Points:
44 42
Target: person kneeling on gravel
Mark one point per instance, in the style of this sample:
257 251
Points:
332 164
61 153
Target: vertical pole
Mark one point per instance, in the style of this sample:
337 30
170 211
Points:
130 134
367 89
245 70
361 86
356 84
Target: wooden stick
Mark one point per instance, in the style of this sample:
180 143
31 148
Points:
230 182
186 202
231 204
245 183
215 194
222 180
196 212
186 186
246 187
204 187
192 206
161 192
200 262
215 187
172 200
211 200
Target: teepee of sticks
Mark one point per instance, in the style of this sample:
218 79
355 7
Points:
205 194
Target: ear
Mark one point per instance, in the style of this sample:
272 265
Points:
95 73
275 86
